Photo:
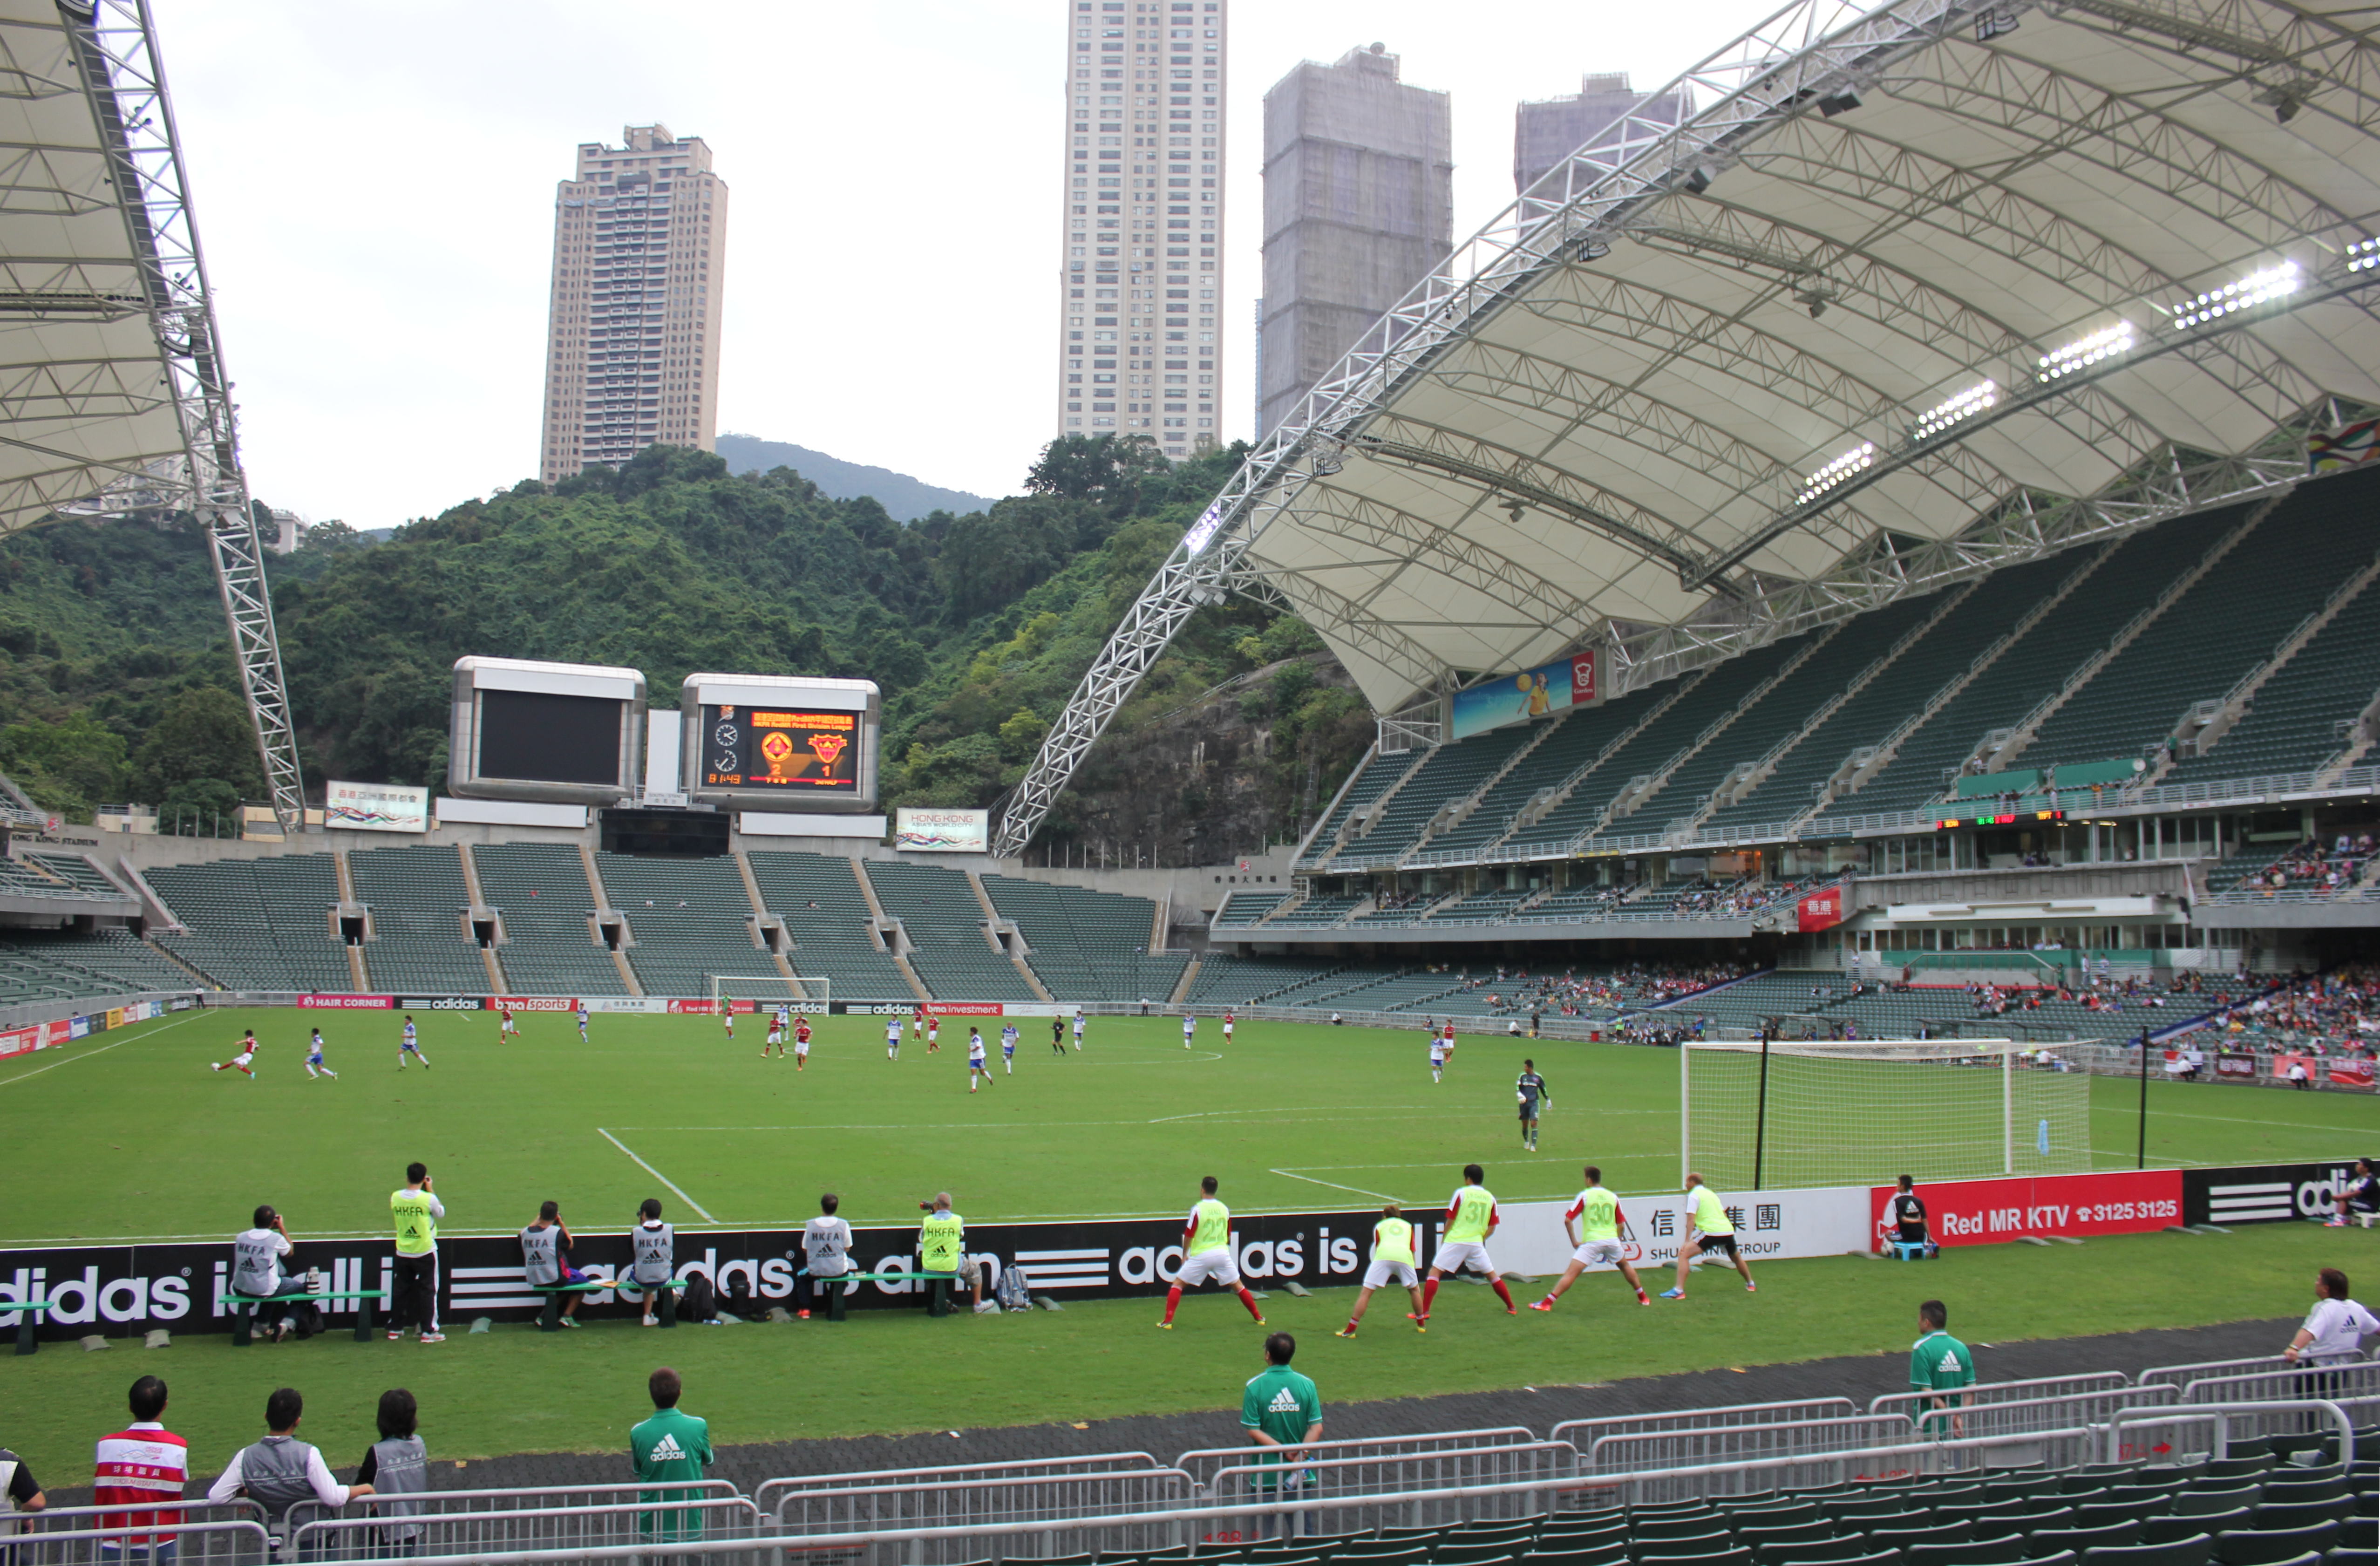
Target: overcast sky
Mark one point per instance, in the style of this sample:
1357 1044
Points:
374 184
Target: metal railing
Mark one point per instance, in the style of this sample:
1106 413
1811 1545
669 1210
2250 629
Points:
1583 1433
535 1499
2182 1374
772 1494
1203 1464
2029 1389
2025 1416
230 1542
588 1528
2355 1378
2309 1413
1001 1513
1424 1489
1643 1450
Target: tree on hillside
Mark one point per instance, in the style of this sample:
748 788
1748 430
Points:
1105 469
202 735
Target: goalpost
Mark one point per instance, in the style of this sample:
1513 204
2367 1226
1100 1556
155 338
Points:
1787 1113
769 988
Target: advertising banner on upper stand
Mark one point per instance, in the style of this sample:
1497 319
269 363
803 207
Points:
1530 693
354 806
943 831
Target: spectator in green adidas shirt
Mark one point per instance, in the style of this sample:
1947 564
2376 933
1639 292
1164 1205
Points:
1939 1363
1280 1410
672 1445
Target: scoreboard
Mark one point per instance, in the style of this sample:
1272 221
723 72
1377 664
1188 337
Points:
1999 819
551 733
779 742
808 753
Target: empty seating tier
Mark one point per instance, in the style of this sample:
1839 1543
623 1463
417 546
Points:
827 914
540 891
421 927
945 922
257 924
687 920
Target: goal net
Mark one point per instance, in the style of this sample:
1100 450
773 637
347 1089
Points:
769 990
1808 1114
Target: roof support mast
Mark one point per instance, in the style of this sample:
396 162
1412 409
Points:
115 49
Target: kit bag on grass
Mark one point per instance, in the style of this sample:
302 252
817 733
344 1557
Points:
697 1300
1014 1290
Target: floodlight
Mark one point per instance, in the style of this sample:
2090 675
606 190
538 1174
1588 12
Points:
2104 344
1203 531
1859 457
1841 103
2364 255
2272 282
1966 405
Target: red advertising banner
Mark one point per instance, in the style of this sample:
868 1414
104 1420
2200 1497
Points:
535 1003
347 1003
1821 910
2341 1074
20 1041
56 1032
2350 1074
709 1008
1582 678
1984 1213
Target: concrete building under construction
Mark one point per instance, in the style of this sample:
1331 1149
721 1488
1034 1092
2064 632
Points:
1358 206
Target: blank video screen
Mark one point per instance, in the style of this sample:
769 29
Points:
539 737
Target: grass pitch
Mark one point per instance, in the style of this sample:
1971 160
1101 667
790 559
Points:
135 1138
128 1135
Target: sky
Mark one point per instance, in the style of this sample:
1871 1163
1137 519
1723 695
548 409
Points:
374 187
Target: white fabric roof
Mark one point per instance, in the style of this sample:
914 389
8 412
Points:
1599 416
85 391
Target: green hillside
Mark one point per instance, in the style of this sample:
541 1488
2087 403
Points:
115 681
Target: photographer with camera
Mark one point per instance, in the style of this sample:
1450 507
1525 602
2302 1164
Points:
256 1270
942 1250
416 1213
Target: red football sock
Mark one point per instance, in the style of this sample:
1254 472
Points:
1249 1300
1428 1294
1502 1292
1171 1301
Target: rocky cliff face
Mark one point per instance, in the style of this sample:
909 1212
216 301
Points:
1254 761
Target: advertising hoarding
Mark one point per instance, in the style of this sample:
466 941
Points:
1984 1213
1540 692
354 806
943 831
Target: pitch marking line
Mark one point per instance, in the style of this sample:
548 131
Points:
657 1175
87 1054
1384 1196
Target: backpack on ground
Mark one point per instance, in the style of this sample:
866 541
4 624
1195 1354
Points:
1014 1290
697 1299
305 1319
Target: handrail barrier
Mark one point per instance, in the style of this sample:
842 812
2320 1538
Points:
2221 1416
772 1495
1582 1433
1643 1450
2355 1378
233 1542
996 1512
1202 1463
2021 1416
2180 1374
536 1498
2031 1390
624 1524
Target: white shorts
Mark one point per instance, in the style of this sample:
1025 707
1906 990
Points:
919 1028
1227 1031
1597 1253
1381 1273
247 1055
1453 1255
1216 1264
801 1045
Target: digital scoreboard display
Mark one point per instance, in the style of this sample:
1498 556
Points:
541 737
1997 818
807 751
557 733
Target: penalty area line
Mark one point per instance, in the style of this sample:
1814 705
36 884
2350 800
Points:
657 1175
1384 1196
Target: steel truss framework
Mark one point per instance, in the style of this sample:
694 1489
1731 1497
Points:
1598 422
113 393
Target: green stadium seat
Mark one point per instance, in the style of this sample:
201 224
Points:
2006 1551
2263 1546
2271 1516
2167 1530
2121 1533
2194 1551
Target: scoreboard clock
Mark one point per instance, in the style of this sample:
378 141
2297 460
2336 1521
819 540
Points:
777 742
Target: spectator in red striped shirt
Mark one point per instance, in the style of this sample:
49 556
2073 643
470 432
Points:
141 1467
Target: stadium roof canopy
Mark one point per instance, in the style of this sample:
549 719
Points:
1677 398
113 396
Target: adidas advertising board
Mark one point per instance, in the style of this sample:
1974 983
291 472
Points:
2273 1194
440 1003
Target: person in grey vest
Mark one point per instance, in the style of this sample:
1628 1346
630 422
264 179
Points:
546 1257
655 1250
280 1471
826 1255
397 1464
256 1270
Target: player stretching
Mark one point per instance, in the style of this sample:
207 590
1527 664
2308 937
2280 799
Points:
1189 1029
1595 1240
978 1073
1008 1049
1393 1258
314 1058
1078 1030
582 1022
1709 1232
802 1043
1207 1253
1471 1217
1058 1037
1530 1089
240 1062
1436 1057
893 1036
410 1045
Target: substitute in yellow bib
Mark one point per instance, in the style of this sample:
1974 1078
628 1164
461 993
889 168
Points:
1592 1224
1207 1253
1392 1258
942 1250
1471 1217
416 1213
1709 1232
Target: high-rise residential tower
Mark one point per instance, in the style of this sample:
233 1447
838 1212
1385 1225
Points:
639 270
1358 207
1552 129
1141 269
